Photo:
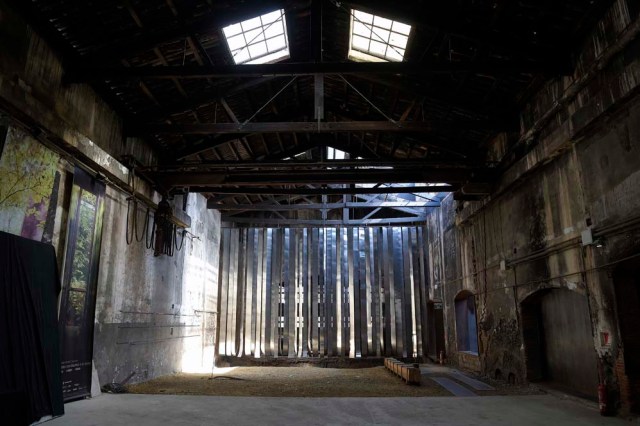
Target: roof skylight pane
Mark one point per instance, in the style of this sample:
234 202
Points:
382 22
258 49
232 30
381 35
250 24
276 43
273 30
375 38
367 18
236 42
361 29
398 40
377 48
401 28
361 43
258 40
254 35
270 17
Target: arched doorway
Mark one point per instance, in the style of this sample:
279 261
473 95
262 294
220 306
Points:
558 341
626 280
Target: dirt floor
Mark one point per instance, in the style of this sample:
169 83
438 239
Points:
290 382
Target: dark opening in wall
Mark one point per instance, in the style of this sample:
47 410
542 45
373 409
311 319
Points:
558 341
627 288
466 326
435 322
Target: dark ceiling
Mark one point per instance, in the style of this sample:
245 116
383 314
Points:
165 67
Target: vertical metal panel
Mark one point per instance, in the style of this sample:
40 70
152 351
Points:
415 292
379 258
313 290
408 307
291 295
306 266
224 288
398 290
266 347
352 304
250 325
375 294
233 280
424 289
259 294
368 311
285 277
339 294
300 267
276 278
242 278
328 288
390 310
362 293
321 292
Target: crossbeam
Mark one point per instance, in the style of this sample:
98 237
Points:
323 191
321 206
303 164
277 127
490 67
311 222
447 175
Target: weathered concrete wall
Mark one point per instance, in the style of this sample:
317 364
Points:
582 170
154 315
32 92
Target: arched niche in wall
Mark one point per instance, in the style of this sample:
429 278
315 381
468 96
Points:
466 322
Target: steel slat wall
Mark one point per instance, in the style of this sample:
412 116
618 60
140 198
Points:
354 292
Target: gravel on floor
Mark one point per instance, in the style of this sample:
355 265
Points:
290 382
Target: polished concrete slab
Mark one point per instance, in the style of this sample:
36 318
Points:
148 410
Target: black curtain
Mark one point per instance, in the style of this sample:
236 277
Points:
30 379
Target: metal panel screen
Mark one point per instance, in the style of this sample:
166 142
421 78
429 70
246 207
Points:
356 292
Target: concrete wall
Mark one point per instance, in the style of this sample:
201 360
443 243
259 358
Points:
154 315
580 170
32 92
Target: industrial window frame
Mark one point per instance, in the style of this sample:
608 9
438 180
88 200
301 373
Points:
259 40
386 40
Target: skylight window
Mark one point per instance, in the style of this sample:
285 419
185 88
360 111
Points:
377 39
259 40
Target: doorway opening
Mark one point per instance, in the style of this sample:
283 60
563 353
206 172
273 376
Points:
626 280
558 341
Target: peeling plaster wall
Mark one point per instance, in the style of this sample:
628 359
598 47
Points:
154 315
583 169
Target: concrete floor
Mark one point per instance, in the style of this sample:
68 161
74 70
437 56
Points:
143 410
